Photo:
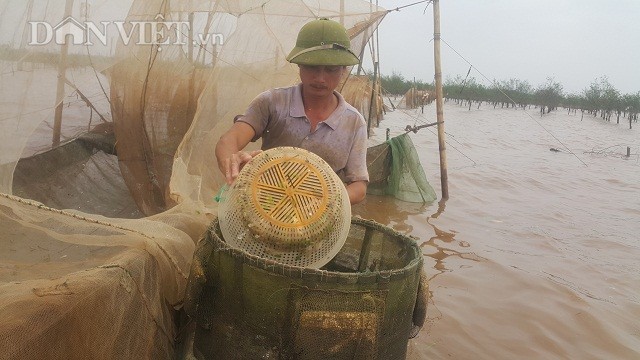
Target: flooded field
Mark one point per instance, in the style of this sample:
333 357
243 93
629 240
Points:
536 253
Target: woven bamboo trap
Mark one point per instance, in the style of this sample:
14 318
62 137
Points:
287 205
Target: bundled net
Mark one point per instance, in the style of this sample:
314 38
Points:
117 126
414 98
394 169
357 89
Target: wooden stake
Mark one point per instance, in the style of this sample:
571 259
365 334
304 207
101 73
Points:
439 105
62 76
191 44
378 77
190 95
25 33
372 100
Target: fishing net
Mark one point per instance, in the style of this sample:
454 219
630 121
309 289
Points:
361 305
414 98
117 126
394 169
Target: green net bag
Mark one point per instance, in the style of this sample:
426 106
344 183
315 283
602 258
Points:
395 169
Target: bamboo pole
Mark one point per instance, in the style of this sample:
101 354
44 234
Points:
25 33
378 77
439 104
191 91
372 100
364 41
86 100
191 42
62 76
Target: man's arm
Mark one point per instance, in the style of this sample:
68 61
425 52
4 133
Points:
229 152
357 190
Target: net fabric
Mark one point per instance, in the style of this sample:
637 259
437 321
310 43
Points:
357 90
247 307
415 98
287 205
394 169
347 325
117 130
72 176
246 66
72 285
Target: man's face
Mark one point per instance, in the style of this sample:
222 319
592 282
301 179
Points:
320 80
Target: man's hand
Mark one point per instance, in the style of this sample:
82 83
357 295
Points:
232 165
357 191
229 152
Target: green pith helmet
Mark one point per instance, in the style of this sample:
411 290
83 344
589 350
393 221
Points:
323 42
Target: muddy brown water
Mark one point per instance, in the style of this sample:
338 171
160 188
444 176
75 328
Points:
536 255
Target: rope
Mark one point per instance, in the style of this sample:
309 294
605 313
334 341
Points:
405 6
510 99
464 83
424 122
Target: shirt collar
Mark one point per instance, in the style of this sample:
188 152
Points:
334 119
297 107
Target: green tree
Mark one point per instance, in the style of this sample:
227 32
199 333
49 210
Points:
549 95
609 100
592 97
394 84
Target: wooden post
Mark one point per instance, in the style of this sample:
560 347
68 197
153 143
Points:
414 94
191 42
628 151
25 33
62 75
378 77
372 99
191 92
439 112
366 250
364 41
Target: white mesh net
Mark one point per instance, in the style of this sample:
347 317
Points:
120 122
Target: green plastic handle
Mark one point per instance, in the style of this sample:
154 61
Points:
219 195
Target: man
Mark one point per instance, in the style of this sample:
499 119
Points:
311 115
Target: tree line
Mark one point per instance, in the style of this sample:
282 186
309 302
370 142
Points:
600 98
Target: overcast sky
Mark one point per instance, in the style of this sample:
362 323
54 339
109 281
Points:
574 41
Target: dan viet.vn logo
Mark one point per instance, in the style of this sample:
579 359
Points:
158 32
